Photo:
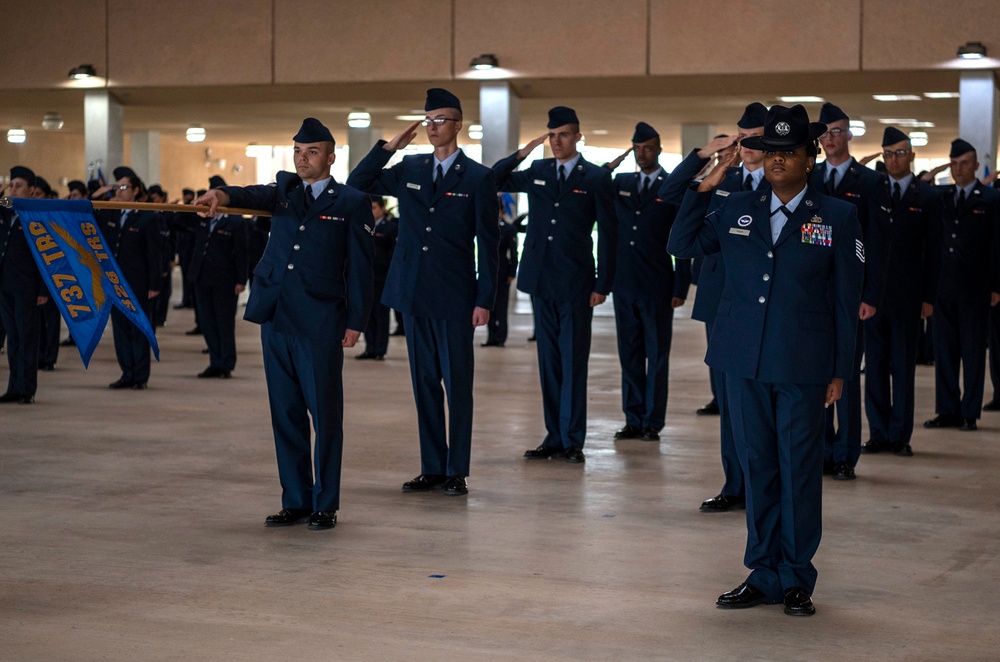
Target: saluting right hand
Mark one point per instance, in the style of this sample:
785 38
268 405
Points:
530 147
717 144
718 172
403 139
213 199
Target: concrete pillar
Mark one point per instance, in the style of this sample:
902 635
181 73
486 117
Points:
696 136
104 133
500 115
977 116
144 155
359 143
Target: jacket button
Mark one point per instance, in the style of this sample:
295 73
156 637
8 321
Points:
635 227
426 249
770 254
951 250
291 266
631 243
953 235
553 221
767 277
637 212
431 210
295 247
550 238
556 205
761 300
428 228
301 228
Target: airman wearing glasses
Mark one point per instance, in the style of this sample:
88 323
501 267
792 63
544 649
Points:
841 176
892 335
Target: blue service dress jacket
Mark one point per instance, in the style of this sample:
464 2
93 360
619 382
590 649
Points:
137 247
316 273
970 247
18 269
557 257
914 249
220 254
806 286
434 271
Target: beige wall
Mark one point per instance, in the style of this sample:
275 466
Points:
53 156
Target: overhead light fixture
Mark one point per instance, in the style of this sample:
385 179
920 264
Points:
897 121
801 99
897 97
195 134
255 151
858 128
973 50
476 131
359 120
82 72
410 118
52 121
918 138
941 95
599 132
16 136
484 62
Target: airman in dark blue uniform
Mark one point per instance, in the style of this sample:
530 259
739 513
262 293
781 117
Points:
567 196
969 285
22 291
892 335
386 232
784 335
841 176
506 272
312 294
448 207
647 288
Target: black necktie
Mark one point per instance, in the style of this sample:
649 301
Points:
831 184
961 198
310 196
645 186
438 178
562 177
896 194
784 210
748 183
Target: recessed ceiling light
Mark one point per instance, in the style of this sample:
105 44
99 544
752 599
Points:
484 62
918 138
896 120
410 118
801 99
972 50
897 97
599 132
476 131
941 95
858 128
16 136
82 72
195 134
359 120
52 122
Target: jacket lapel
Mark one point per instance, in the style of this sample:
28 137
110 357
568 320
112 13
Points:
807 209
452 177
326 199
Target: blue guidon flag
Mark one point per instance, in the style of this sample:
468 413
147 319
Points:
79 270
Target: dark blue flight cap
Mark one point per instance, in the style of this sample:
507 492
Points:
892 135
42 184
785 129
643 132
77 185
156 188
23 173
215 181
561 116
313 131
829 114
438 97
123 171
753 116
958 148
187 191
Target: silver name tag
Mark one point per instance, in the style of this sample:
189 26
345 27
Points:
413 186
740 231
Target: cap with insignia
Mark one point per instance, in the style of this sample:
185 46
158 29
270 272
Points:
313 131
215 181
785 129
753 116
561 116
157 189
123 171
438 97
77 185
892 135
958 148
643 132
829 114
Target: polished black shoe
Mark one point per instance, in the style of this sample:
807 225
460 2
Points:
380 357
196 331
629 432
968 425
711 409
398 332
491 343
121 383
10 397
992 405
873 446
798 603
902 450
211 371
574 456
456 486
722 503
69 342
543 452
321 520
47 367
533 338
742 597
941 421
287 517
425 483
649 434
139 386
843 471
364 357
27 400
205 351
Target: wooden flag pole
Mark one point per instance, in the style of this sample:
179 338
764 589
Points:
154 206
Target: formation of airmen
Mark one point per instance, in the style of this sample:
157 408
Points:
805 269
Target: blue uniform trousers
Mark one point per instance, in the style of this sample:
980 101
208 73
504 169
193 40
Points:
645 330
498 317
441 350
961 332
995 350
563 334
304 379
216 305
844 444
891 339
49 328
377 329
713 374
19 311
734 485
131 347
779 437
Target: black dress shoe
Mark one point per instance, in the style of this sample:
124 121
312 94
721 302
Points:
574 456
47 367
968 425
722 503
10 397
533 338
321 520
139 386
649 434
543 452
425 483
196 331
205 351
121 383
873 446
711 409
742 597
287 517
27 400
398 332
364 357
902 450
456 486
843 471
491 343
941 421
798 603
629 432
69 342
992 405
210 371
380 357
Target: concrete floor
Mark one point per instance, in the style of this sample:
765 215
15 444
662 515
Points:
132 528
